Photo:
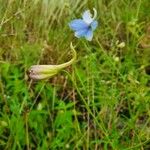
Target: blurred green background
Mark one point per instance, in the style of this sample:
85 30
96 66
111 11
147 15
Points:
102 102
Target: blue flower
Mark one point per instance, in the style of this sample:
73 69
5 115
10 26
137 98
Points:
84 27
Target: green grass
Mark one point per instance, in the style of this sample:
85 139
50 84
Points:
101 102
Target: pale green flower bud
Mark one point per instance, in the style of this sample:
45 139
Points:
40 72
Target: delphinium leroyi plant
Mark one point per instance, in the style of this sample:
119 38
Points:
83 28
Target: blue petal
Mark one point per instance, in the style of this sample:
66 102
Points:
78 24
81 33
94 25
89 35
87 17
